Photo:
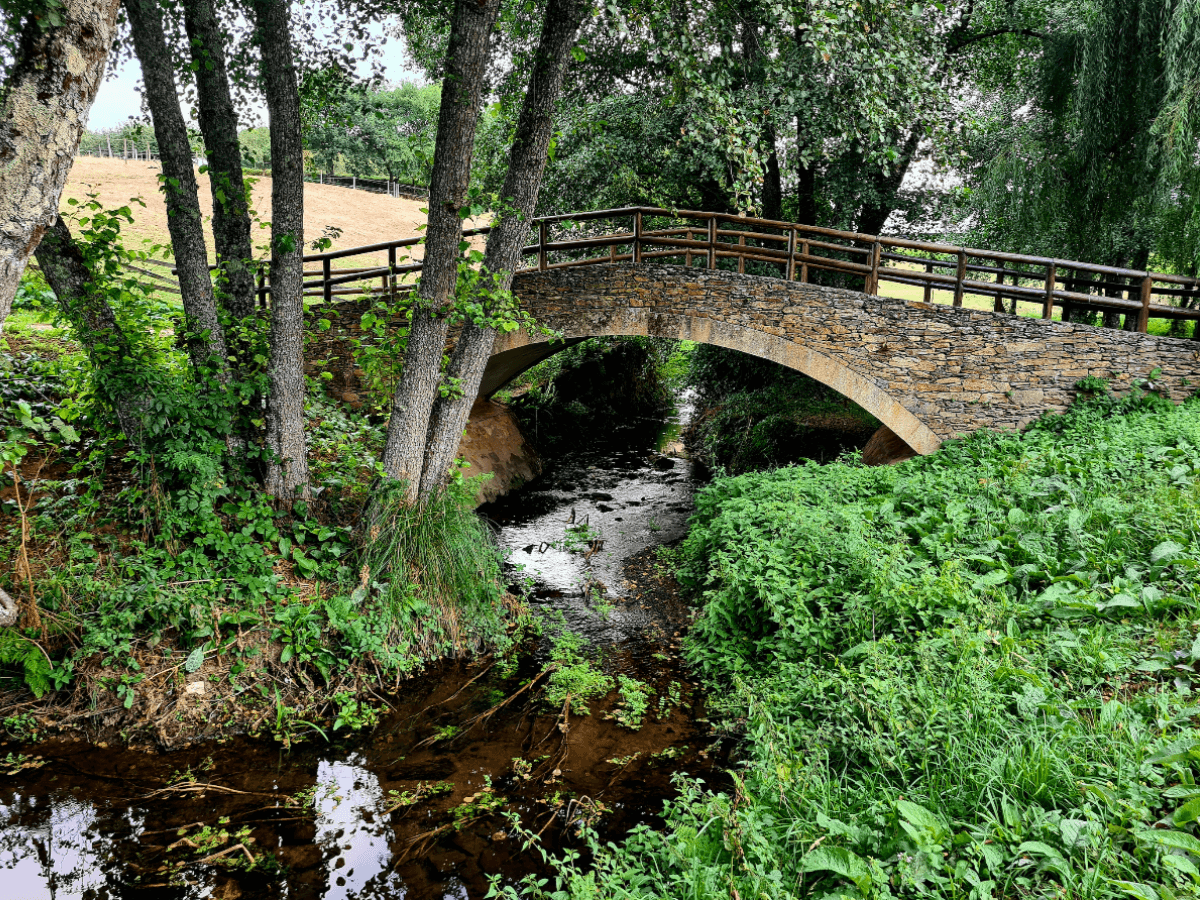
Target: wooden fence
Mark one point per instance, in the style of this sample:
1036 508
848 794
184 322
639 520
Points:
388 186
795 252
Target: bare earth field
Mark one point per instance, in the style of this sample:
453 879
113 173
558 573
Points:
364 218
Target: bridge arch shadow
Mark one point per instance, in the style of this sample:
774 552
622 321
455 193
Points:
517 351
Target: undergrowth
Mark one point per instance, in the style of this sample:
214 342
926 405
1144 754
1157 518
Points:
972 675
753 414
142 566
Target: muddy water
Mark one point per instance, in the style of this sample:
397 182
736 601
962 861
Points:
443 793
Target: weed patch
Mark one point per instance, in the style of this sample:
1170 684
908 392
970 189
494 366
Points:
967 676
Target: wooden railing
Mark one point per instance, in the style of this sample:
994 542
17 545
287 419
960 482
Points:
794 252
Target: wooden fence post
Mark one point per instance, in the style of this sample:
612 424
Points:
327 274
998 306
637 237
960 276
687 253
712 242
1143 320
928 293
542 228
804 262
1051 281
791 264
742 255
873 278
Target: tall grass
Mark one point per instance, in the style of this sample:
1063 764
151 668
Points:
435 569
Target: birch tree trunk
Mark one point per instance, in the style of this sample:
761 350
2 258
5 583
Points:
219 125
462 90
184 221
527 162
96 326
287 472
43 111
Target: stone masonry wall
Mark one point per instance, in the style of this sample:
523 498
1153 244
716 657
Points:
929 372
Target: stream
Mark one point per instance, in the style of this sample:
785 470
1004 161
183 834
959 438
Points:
442 794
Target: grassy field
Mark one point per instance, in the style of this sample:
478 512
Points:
363 218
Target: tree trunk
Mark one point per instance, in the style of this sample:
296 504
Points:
219 125
527 162
462 90
43 112
806 194
95 324
184 221
875 215
772 194
287 472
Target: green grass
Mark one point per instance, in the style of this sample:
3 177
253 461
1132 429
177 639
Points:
971 675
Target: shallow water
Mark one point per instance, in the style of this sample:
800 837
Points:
615 495
331 821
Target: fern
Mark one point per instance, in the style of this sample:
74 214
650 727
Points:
15 649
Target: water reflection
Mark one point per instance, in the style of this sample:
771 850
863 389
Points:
355 837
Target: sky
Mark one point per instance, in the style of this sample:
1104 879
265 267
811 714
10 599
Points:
119 96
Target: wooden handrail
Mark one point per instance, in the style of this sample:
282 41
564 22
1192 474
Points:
796 250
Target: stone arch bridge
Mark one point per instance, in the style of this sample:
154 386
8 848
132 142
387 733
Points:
927 371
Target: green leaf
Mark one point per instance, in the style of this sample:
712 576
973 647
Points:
1171 840
1039 849
195 660
840 861
285 547
1134 889
1167 550
1187 813
288 652
917 815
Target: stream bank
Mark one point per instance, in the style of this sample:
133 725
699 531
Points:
446 780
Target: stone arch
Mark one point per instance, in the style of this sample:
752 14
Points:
517 351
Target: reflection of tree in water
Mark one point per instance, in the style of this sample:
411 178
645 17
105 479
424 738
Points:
71 851
351 831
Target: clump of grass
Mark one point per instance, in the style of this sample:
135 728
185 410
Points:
435 569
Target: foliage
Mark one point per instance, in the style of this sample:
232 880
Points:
755 414
592 386
431 571
33 293
171 543
367 131
971 675
574 679
634 702
1079 151
255 144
